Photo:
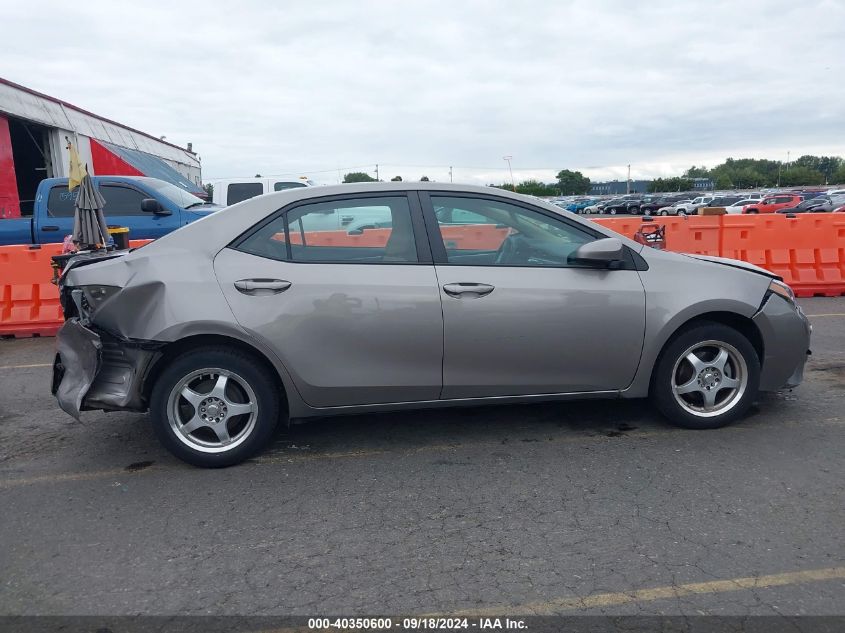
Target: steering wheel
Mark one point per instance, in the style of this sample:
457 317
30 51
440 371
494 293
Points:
507 250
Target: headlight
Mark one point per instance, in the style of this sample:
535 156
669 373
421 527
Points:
95 296
780 288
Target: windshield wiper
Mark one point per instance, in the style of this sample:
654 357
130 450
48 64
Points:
195 204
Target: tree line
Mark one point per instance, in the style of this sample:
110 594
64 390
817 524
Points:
751 173
734 173
568 183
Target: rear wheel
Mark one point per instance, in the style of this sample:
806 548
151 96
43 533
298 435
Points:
214 407
706 377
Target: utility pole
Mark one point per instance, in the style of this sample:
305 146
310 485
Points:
450 173
508 158
628 182
787 161
376 171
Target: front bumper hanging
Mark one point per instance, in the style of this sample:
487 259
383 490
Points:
77 363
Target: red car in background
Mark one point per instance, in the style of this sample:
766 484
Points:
773 203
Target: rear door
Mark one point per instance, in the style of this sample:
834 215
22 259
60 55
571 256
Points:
355 317
518 317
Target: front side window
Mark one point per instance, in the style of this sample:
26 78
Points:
504 234
358 231
240 191
122 200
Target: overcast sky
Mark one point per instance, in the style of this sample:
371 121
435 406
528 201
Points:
320 87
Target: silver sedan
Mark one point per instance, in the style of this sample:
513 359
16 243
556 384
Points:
457 295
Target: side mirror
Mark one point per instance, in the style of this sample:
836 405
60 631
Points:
603 253
151 205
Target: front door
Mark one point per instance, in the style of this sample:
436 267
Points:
354 315
519 318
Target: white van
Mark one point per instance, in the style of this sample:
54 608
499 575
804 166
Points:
233 190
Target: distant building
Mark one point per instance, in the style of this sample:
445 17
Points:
618 187
33 129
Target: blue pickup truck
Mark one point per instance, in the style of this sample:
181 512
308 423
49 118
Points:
149 207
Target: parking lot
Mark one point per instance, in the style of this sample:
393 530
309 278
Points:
592 507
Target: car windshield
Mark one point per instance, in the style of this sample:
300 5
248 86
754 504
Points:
175 194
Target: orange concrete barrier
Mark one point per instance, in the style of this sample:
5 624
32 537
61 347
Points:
29 301
685 234
464 236
481 237
808 251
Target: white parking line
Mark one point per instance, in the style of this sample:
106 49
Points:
26 366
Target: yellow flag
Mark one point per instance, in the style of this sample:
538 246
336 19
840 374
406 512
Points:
77 170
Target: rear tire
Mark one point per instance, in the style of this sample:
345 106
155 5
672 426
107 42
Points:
706 377
215 407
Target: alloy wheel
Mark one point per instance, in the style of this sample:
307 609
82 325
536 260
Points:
709 378
212 410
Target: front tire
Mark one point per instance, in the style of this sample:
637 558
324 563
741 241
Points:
706 377
214 407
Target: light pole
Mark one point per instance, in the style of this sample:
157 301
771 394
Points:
508 158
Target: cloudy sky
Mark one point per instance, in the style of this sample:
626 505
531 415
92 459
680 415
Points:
320 88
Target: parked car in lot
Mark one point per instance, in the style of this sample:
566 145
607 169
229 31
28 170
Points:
739 205
622 205
229 325
654 204
578 206
820 204
694 205
679 207
597 207
148 207
773 203
723 201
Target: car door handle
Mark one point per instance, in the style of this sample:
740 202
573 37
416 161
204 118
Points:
49 228
262 286
468 289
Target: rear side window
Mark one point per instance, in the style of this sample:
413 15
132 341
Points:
281 186
240 191
356 231
60 202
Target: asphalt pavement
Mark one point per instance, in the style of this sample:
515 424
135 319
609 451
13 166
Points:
589 508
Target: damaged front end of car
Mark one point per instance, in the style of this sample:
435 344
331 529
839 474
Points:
96 368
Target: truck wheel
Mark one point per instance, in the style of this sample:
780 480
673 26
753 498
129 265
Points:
214 407
706 377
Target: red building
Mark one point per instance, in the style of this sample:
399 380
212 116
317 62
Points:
33 146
